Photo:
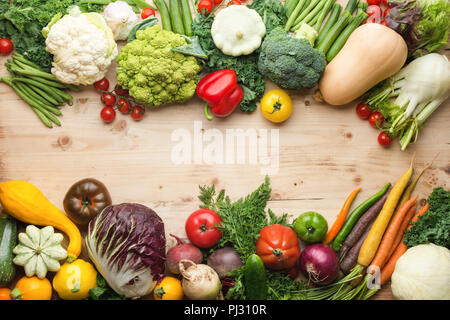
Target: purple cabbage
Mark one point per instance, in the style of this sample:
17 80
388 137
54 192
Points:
127 244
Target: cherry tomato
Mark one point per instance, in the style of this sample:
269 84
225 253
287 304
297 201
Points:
102 84
384 139
384 23
108 99
373 2
121 92
363 110
376 119
137 113
217 2
6 46
374 12
205 6
201 228
124 106
386 12
147 12
108 114
234 2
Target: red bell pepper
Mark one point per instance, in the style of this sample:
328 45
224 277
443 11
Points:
221 92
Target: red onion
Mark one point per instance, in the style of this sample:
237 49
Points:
180 252
319 263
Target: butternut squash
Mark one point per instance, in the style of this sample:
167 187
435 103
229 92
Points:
371 54
26 203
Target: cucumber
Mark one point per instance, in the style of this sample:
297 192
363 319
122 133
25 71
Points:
255 278
8 240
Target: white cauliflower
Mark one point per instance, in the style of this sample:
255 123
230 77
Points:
83 47
121 18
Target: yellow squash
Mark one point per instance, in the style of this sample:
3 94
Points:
26 203
74 280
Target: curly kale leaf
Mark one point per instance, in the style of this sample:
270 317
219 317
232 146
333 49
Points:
272 12
433 226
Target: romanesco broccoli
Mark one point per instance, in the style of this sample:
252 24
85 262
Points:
152 72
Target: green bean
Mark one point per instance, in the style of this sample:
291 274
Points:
43 87
334 15
27 70
343 37
51 83
45 95
175 17
21 58
142 4
323 14
354 217
334 32
164 13
294 14
187 17
32 94
43 118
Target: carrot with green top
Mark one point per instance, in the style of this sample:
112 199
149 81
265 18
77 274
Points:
389 236
337 225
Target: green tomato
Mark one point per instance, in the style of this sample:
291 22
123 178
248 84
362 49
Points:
311 227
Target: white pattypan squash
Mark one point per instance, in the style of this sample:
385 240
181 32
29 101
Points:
238 30
39 251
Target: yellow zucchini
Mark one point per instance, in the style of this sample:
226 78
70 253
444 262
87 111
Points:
26 203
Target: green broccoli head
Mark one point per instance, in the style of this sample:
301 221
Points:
152 72
290 62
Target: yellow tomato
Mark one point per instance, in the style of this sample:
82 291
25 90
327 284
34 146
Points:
32 288
74 280
276 106
168 289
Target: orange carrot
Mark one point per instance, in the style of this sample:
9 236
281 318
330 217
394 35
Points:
337 225
420 213
391 231
400 249
401 232
388 269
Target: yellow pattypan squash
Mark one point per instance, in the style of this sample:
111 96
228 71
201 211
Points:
74 280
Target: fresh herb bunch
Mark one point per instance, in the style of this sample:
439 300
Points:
433 226
241 223
21 21
246 66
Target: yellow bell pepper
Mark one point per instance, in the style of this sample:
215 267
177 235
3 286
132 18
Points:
74 280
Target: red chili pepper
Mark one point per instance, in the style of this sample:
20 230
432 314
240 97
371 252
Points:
221 92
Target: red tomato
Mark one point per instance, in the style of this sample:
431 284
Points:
384 23
278 247
124 106
363 110
147 12
137 113
102 84
205 6
386 3
217 2
386 12
6 46
108 114
384 139
201 228
376 119
121 92
108 99
374 12
234 2
373 2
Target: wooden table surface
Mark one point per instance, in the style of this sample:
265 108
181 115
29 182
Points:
324 153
